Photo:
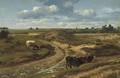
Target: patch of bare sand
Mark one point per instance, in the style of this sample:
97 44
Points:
77 49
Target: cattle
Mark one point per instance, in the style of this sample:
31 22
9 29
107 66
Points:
77 61
31 44
87 59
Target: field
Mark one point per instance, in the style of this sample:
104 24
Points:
16 61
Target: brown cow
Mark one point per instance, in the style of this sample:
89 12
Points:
77 61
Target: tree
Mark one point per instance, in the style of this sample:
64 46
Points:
86 28
92 28
37 28
30 28
107 29
110 28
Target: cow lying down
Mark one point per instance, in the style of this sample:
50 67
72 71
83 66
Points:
77 61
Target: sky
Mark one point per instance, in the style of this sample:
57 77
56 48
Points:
20 14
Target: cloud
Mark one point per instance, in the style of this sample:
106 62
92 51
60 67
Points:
38 12
108 14
53 8
66 7
48 16
86 13
112 12
62 13
108 10
58 2
50 7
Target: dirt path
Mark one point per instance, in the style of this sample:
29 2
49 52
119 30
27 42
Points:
77 49
56 66
47 64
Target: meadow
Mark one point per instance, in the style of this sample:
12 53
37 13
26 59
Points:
16 61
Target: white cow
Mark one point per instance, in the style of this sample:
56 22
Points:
31 44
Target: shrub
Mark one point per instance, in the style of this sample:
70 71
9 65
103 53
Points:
4 34
18 43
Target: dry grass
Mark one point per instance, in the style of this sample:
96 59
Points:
15 51
101 67
94 69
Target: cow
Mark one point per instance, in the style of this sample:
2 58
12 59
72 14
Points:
87 59
31 44
77 61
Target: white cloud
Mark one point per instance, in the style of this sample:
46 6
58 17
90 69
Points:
108 14
87 12
35 8
53 8
38 12
24 11
50 7
108 10
65 15
61 24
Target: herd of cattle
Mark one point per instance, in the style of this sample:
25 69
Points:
70 61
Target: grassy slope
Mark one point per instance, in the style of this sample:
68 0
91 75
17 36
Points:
102 67
31 69
15 51
87 38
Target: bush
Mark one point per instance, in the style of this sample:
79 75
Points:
4 34
18 43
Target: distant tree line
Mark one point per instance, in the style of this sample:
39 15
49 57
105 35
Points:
33 28
104 29
108 29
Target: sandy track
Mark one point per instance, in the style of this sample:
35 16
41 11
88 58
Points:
43 65
74 48
47 65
